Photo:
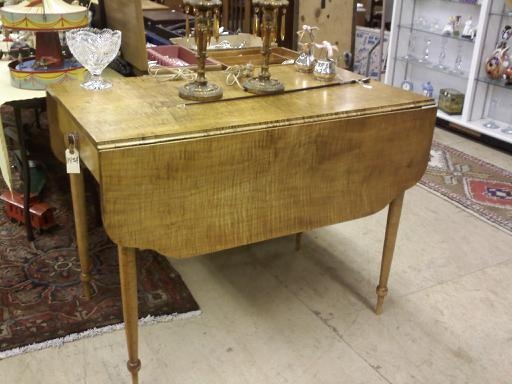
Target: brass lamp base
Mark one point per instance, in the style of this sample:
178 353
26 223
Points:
199 91
263 86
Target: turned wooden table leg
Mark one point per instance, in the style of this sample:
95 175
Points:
394 211
128 276
80 214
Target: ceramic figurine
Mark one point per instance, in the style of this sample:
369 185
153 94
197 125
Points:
306 60
504 37
456 25
496 64
507 75
407 85
468 32
325 68
506 33
428 89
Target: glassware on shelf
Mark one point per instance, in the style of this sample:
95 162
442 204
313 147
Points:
490 123
426 52
508 128
94 49
457 68
411 48
435 25
442 54
420 22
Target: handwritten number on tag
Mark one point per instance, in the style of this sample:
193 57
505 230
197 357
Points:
72 161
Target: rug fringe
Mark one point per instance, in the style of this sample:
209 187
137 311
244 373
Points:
56 343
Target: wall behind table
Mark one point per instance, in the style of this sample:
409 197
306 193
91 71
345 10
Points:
335 20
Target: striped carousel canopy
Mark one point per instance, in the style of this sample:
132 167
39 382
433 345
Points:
44 15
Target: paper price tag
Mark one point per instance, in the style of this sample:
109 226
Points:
72 161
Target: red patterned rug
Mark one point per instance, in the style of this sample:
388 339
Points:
479 187
41 303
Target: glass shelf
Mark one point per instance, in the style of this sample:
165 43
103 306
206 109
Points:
417 32
498 83
434 67
468 2
434 33
504 14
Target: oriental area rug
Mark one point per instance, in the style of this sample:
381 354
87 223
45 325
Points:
475 185
41 300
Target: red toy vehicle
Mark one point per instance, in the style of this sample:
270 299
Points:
41 214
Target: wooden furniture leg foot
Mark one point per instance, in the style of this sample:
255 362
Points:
134 367
80 214
128 277
395 209
298 239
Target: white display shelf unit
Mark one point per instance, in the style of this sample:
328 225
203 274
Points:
418 25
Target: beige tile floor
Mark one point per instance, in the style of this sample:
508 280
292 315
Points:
275 316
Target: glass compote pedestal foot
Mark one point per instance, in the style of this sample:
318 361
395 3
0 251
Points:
94 49
490 123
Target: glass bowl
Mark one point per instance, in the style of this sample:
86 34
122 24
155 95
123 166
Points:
94 49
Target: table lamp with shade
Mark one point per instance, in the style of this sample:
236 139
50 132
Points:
45 18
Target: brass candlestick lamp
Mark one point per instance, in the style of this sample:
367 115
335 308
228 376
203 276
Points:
269 10
206 14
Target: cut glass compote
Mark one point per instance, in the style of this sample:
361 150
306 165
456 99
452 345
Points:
94 49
